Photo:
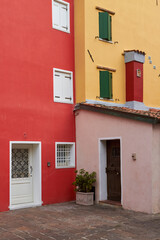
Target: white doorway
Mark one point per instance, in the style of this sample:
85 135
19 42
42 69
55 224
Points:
25 174
21 179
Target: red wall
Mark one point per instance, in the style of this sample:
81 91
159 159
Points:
29 50
134 84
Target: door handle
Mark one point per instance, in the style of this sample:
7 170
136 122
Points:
31 170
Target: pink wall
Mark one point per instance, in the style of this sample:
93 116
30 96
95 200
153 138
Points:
136 137
156 169
30 49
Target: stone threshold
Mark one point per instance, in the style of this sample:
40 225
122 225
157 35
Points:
109 202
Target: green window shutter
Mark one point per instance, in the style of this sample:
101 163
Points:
110 86
105 84
110 28
105 26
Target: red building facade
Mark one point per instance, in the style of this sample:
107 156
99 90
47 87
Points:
37 125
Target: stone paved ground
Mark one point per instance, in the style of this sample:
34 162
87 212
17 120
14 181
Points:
70 221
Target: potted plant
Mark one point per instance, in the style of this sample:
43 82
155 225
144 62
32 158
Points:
83 186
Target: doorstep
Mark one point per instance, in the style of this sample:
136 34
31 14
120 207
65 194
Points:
111 203
27 205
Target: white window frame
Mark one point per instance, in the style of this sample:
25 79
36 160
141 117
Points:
68 15
72 165
54 90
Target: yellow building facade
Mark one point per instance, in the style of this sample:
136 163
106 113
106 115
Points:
134 25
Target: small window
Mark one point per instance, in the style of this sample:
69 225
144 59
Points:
105 84
65 155
105 26
63 86
61 15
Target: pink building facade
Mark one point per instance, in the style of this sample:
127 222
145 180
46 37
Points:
139 140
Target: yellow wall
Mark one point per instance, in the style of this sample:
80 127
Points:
135 25
80 50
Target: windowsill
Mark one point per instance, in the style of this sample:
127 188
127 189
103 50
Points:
62 30
63 167
107 99
62 102
103 40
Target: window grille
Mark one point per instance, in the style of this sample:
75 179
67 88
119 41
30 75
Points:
20 165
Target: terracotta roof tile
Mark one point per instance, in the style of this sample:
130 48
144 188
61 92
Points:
152 113
134 50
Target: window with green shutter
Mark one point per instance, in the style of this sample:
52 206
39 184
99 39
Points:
105 84
105 26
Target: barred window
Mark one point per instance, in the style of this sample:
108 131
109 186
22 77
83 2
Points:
65 155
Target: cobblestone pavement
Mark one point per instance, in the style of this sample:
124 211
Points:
70 221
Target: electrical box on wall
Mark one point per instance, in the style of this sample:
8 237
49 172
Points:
48 164
134 157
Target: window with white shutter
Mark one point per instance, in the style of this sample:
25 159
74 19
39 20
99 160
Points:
61 15
63 86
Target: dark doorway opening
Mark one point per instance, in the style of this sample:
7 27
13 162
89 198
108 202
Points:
113 170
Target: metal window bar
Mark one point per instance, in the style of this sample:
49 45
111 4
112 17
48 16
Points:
63 155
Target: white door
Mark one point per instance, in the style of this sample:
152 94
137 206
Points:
21 174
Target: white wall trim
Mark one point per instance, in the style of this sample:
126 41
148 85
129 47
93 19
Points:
100 164
38 200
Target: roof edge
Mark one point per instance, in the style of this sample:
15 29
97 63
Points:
117 113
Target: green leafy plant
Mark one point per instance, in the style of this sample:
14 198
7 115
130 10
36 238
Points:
84 181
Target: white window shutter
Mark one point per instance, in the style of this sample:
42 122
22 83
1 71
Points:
63 17
57 87
67 88
56 15
63 86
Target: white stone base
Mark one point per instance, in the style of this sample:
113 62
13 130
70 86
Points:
84 198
